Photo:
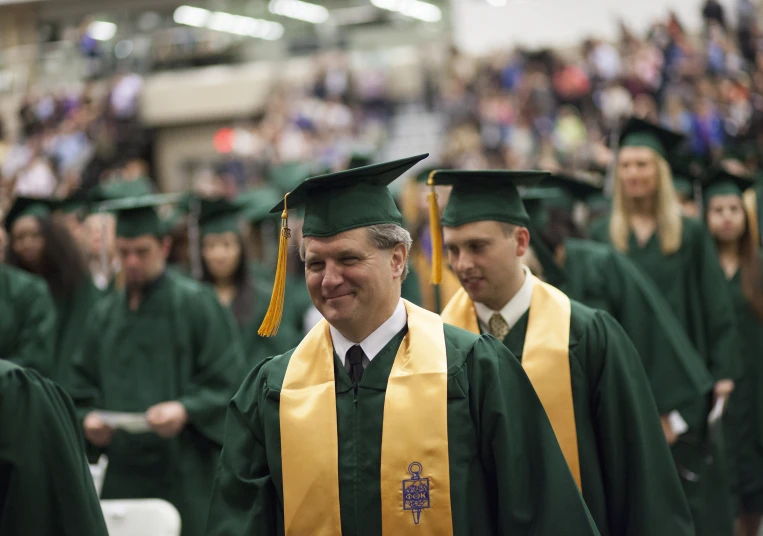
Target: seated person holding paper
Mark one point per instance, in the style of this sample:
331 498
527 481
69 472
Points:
164 347
384 420
584 368
45 484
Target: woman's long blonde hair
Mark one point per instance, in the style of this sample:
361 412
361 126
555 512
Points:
667 212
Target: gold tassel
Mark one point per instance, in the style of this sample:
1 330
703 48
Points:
436 232
751 207
272 319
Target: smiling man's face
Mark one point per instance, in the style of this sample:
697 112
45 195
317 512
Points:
349 279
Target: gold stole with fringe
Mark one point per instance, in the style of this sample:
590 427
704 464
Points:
545 358
415 474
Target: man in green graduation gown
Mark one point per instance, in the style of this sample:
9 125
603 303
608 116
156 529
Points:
163 348
384 421
586 371
45 483
600 277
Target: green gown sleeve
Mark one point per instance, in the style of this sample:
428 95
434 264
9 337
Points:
218 365
643 491
718 311
532 485
244 500
45 484
36 339
82 380
676 371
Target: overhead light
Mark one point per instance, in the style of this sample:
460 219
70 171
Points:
411 8
228 23
497 3
102 31
297 9
191 16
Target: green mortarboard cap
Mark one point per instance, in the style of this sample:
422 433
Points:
286 177
486 195
137 216
218 216
537 200
684 185
640 133
360 160
573 188
423 175
740 150
255 204
720 181
74 203
28 206
349 199
121 190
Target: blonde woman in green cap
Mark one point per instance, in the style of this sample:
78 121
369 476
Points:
677 253
734 228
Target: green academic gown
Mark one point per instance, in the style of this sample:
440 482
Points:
600 277
180 344
27 320
72 312
628 477
45 483
507 473
745 411
692 283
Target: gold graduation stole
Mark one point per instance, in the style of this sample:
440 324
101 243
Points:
545 358
415 474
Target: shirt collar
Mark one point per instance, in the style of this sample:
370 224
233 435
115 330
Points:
376 341
512 311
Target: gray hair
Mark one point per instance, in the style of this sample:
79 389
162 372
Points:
383 236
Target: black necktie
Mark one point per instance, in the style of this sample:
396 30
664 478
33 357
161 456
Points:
354 360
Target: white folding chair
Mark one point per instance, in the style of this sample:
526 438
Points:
98 472
141 517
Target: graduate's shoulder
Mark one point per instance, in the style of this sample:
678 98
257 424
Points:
17 381
267 375
20 283
190 289
586 322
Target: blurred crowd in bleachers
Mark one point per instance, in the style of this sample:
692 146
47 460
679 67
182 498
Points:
548 109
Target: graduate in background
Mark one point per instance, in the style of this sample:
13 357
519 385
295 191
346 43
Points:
164 348
27 320
384 420
678 255
584 367
735 232
225 267
42 246
601 277
45 484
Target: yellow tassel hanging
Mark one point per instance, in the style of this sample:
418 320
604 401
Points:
436 232
272 319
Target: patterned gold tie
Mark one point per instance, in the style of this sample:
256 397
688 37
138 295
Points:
498 326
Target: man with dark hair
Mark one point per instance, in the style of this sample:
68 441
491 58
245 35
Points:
163 348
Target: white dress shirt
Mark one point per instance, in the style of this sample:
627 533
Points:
512 311
374 343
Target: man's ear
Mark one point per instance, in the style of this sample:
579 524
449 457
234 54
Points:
398 259
522 236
